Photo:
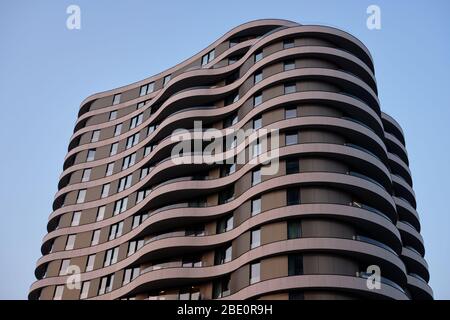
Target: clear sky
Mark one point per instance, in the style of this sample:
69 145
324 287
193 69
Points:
46 70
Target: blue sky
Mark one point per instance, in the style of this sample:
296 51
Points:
46 70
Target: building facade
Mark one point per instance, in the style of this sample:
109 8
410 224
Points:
340 211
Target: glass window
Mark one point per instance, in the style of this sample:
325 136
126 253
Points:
137 120
232 60
257 123
95 135
65 263
95 237
113 115
105 190
255 239
86 175
106 284
58 292
109 169
255 272
221 288
76 218
230 120
146 89
84 293
288 43
223 255
295 264
120 206
294 229
292 166
114 148
292 196
296 295
257 100
291 138
130 274
258 56
111 256
166 79
289 65
100 213
128 161
70 242
144 172
258 77
207 58
90 263
117 129
256 177
116 99
290 113
256 206
125 183
289 88
81 196
225 224
132 141
90 155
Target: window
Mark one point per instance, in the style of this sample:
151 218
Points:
100 213
146 89
95 237
142 194
288 43
64 265
84 293
81 196
294 229
75 219
192 262
118 130
223 255
95 135
106 284
133 246
256 206
221 288
258 56
132 141
233 42
255 238
141 104
291 138
130 274
114 148
144 172
296 295
120 206
290 113
289 88
129 161
230 120
255 272
292 196
190 293
295 264
227 169
256 177
225 224
135 121
90 263
147 150
232 60
109 169
90 155
226 195
166 80
257 123
138 219
86 175
257 100
197 231
125 183
116 231
150 129
292 166
113 115
116 99
258 77
105 190
111 256
207 58
289 65
70 242
58 292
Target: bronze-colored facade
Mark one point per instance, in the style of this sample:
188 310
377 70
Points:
128 223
